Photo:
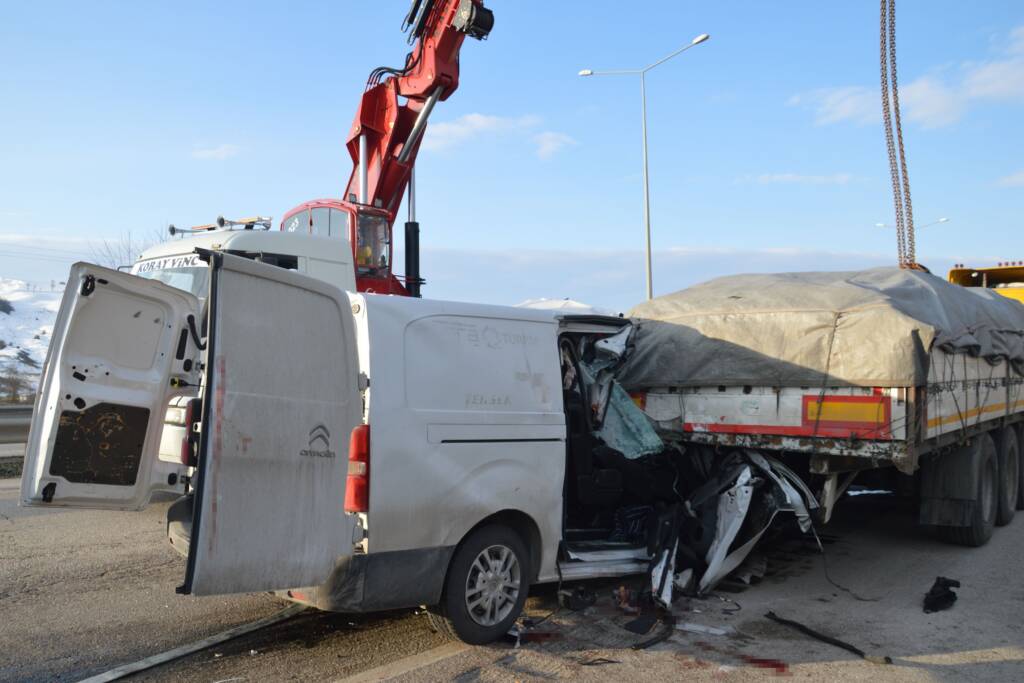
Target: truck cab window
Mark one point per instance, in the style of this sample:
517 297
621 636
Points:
372 244
297 222
339 223
320 223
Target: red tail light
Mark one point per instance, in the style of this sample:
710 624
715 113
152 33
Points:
188 442
357 487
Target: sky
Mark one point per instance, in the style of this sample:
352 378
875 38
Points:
766 146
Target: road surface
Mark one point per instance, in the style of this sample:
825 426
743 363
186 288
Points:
82 592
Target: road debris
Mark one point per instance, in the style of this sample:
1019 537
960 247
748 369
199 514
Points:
806 630
577 599
642 625
940 596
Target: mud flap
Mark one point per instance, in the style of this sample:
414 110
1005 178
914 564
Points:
949 485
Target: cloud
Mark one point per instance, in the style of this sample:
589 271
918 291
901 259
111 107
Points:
849 103
450 134
933 101
800 179
550 142
1012 180
218 153
1016 41
1000 80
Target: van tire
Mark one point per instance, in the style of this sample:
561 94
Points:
451 617
1009 475
985 498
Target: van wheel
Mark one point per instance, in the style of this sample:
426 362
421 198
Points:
985 498
1009 476
486 587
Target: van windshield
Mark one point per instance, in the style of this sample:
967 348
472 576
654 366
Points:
177 272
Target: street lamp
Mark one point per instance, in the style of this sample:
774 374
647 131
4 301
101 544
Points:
643 120
916 227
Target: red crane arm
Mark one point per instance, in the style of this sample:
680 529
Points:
386 134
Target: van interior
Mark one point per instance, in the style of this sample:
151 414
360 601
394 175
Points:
614 502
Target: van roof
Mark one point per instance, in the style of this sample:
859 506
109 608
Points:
335 249
414 307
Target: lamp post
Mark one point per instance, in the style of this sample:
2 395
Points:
643 123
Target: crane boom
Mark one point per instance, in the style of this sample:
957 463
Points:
389 132
385 138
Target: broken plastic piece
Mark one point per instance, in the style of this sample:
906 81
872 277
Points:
733 506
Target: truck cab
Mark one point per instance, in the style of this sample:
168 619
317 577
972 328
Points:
365 230
176 263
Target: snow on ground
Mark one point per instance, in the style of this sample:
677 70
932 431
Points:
26 323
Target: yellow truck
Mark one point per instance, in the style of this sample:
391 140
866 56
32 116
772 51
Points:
1006 278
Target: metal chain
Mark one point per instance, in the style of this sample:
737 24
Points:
908 220
905 243
889 142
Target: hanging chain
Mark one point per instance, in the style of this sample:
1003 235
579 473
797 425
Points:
905 244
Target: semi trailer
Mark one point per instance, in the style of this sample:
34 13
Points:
890 371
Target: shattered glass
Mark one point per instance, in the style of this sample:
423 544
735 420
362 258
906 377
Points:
626 428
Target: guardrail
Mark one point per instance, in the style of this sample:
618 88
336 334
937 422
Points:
14 423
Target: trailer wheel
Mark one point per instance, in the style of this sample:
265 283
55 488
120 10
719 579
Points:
985 508
486 587
1009 475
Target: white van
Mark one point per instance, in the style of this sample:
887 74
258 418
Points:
355 452
176 263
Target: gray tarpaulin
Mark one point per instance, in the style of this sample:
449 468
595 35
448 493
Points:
873 328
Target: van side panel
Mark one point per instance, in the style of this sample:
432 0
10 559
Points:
466 420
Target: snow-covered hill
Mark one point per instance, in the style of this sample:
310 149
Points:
27 313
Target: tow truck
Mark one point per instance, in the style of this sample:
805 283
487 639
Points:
384 141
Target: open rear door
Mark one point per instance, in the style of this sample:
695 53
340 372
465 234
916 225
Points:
121 350
282 399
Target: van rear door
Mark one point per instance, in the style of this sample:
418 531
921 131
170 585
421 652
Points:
282 397
120 351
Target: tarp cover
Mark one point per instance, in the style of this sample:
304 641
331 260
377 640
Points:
870 328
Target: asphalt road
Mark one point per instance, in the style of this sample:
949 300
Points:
82 592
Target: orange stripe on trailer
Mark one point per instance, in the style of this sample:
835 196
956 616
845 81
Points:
973 412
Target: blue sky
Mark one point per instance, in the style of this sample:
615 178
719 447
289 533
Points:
766 146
